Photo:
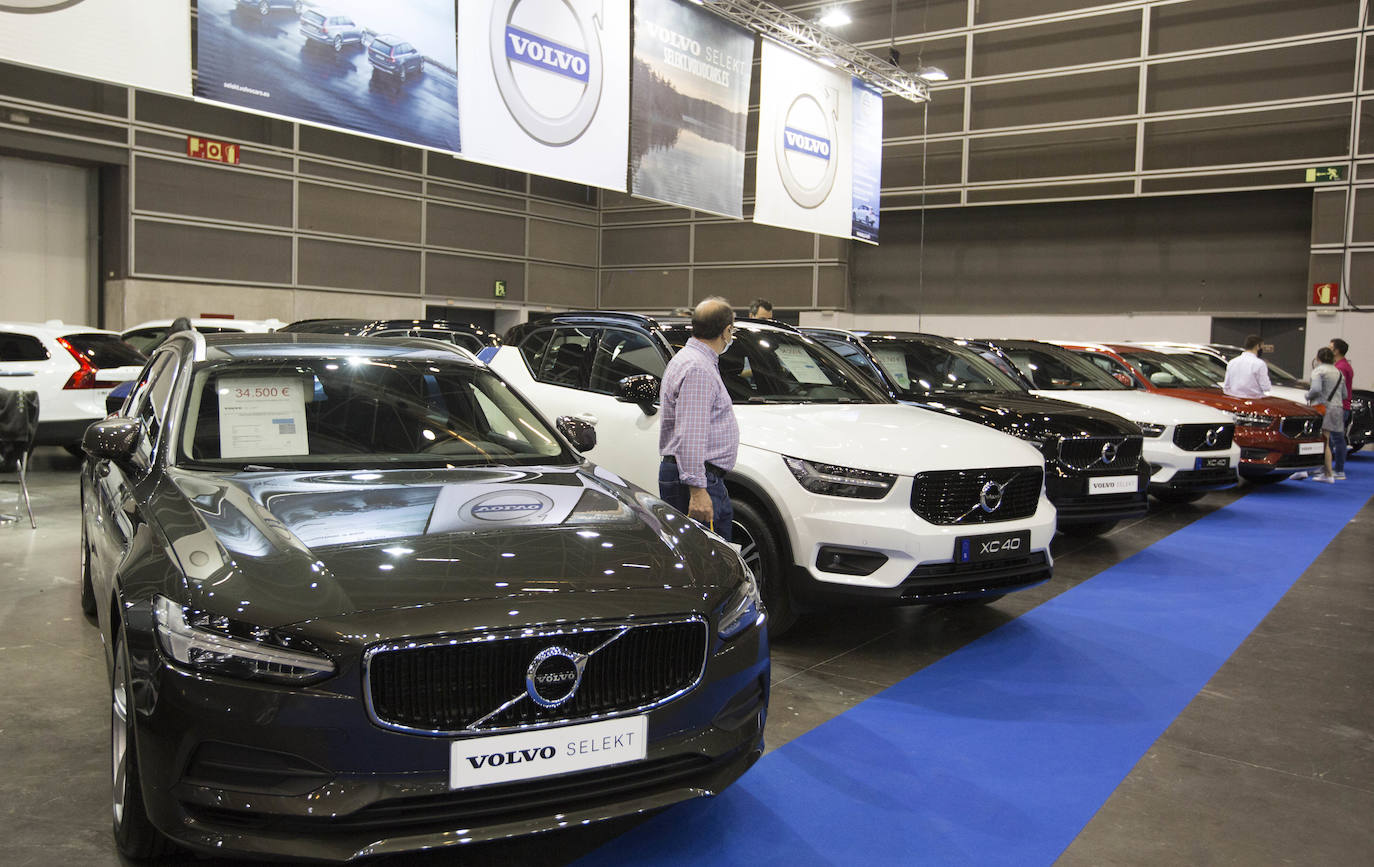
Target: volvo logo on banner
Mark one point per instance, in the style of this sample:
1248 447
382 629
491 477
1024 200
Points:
806 148
547 60
24 7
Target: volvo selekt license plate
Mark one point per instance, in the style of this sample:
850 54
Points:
1311 448
1114 485
541 753
991 546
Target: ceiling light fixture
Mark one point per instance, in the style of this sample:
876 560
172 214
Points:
834 17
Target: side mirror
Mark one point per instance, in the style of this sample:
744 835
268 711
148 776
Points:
114 401
1163 379
1125 379
580 433
641 389
112 440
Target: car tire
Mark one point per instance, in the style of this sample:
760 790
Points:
264 8
134 834
338 44
759 548
402 73
1179 497
75 450
1088 528
298 8
87 591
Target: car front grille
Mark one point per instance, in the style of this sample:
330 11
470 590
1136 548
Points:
957 496
1301 426
1091 453
446 685
1193 437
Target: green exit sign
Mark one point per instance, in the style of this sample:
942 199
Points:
500 289
1325 173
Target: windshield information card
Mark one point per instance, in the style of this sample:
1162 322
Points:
262 417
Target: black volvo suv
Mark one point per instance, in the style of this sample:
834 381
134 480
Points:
1094 473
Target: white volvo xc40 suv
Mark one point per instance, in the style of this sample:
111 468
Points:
840 493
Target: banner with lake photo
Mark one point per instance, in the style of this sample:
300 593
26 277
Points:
689 107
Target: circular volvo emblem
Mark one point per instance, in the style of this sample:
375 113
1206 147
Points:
1211 436
1109 451
546 55
990 497
505 506
35 6
805 146
553 676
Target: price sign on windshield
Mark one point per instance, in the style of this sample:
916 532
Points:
262 417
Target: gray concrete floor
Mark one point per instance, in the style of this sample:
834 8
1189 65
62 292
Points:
1272 763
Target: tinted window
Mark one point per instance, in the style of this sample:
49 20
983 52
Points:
1168 371
382 46
623 353
314 17
360 412
21 347
106 350
854 355
564 360
1054 369
918 367
775 366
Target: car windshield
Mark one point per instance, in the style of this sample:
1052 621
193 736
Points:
1169 371
358 412
1207 362
772 365
920 368
1050 368
1277 375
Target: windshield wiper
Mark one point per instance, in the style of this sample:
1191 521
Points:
260 468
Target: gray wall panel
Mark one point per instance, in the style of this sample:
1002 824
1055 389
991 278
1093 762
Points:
1255 76
1210 23
471 277
343 211
645 289
1059 99
1328 217
199 190
357 266
785 286
640 246
474 229
211 253
561 286
750 242
561 242
1059 43
1313 132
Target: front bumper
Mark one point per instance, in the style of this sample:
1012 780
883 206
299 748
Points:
1069 491
1174 469
236 768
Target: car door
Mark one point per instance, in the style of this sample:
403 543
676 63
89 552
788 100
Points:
24 361
629 431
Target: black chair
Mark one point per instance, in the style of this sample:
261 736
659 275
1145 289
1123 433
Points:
18 429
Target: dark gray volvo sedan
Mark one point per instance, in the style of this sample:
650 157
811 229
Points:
359 598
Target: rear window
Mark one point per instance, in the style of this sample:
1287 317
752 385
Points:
382 45
312 16
21 347
106 350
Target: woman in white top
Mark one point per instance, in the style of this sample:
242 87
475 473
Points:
1328 390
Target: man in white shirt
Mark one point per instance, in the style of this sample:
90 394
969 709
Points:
1246 374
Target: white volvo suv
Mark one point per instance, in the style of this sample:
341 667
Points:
1190 447
839 492
73 368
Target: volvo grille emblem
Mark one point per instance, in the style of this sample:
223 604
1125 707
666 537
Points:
1109 453
547 60
1211 437
990 497
553 676
806 145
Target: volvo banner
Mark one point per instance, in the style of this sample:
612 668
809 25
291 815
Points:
689 107
805 138
544 86
868 160
374 66
144 43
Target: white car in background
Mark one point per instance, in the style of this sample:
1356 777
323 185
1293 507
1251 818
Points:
839 492
73 368
147 335
1190 447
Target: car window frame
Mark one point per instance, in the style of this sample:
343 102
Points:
602 334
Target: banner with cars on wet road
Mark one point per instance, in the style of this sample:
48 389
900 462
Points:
545 87
868 160
144 43
689 107
379 67
805 165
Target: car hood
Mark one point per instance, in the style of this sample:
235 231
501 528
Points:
882 437
1214 397
1289 392
1028 415
278 548
1142 406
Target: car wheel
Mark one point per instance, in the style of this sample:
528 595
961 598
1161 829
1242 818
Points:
134 834
1179 496
74 450
87 591
338 43
402 73
299 8
1087 528
264 8
759 548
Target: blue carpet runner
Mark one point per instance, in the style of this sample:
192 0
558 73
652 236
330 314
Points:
1001 752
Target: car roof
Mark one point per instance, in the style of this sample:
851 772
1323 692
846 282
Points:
211 322
279 344
53 328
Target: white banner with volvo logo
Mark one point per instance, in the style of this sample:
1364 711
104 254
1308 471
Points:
805 171
690 107
146 43
543 87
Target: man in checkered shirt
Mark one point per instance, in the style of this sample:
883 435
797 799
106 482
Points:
698 436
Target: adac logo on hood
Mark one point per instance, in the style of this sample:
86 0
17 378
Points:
506 506
546 55
35 7
806 147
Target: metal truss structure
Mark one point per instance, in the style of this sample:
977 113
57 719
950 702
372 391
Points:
773 23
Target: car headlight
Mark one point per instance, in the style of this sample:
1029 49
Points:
837 481
1150 429
743 609
206 643
1251 419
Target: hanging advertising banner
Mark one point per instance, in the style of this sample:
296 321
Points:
805 134
110 40
544 87
689 107
868 160
373 66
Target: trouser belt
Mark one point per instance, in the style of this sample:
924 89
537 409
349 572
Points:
710 467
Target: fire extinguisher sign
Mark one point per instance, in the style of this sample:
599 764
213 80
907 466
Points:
1326 295
215 151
